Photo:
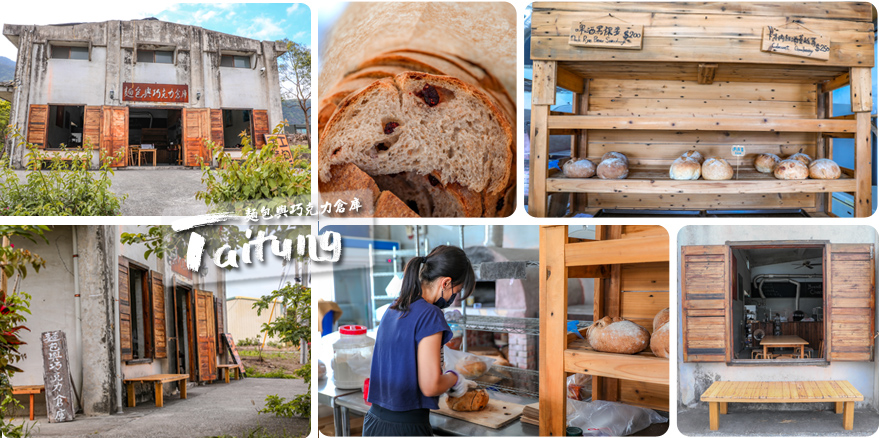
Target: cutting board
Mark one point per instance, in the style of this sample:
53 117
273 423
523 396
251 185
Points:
496 414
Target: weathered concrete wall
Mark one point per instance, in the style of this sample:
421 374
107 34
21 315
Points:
695 378
53 308
113 61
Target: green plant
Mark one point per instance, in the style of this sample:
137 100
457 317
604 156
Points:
274 374
261 178
5 110
294 67
298 406
69 189
14 304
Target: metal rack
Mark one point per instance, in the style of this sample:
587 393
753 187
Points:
397 256
528 381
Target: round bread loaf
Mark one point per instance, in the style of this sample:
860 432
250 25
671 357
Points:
659 341
716 169
471 369
660 318
685 169
791 169
694 155
612 168
823 168
617 335
765 163
473 400
579 168
619 155
801 157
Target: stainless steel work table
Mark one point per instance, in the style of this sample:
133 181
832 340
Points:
328 394
442 424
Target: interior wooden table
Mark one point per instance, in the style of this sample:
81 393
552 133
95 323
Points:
140 155
792 341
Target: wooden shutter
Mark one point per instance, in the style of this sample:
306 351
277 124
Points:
157 297
850 286
124 311
217 127
260 127
37 124
196 129
705 303
206 336
221 327
114 135
92 126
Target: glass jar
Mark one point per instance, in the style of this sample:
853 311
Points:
352 357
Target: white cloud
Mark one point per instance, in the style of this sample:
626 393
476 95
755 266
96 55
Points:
298 35
292 8
262 28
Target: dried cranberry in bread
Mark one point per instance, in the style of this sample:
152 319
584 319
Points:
617 335
444 127
659 341
660 318
389 205
473 400
823 168
765 163
801 157
791 169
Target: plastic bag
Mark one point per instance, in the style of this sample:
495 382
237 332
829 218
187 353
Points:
469 366
605 418
580 387
321 370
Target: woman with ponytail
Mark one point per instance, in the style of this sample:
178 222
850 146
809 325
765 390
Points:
406 378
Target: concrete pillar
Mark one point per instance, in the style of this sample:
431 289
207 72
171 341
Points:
96 284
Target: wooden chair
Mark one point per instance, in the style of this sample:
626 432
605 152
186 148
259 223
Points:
134 155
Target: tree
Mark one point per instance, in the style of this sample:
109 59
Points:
294 69
5 110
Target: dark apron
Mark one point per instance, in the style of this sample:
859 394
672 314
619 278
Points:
384 422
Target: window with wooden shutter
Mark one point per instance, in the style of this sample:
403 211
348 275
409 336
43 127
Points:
217 127
705 295
157 295
196 129
850 285
37 125
114 135
91 130
205 336
260 127
124 311
221 327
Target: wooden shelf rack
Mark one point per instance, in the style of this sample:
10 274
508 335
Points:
700 81
630 268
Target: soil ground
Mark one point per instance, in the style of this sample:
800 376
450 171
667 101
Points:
272 359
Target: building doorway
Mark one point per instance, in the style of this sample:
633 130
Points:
159 131
65 126
236 121
777 302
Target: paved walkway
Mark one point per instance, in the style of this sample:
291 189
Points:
211 410
749 422
156 191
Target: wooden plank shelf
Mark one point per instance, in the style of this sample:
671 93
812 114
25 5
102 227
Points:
655 179
643 367
749 124
645 249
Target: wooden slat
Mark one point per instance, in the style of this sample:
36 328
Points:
705 304
781 392
861 89
92 127
217 127
853 11
261 127
125 338
196 129
569 80
636 250
836 83
725 73
644 394
553 318
706 73
539 160
205 336
37 125
702 124
114 135
852 307
644 368
863 165
543 83
645 277
160 339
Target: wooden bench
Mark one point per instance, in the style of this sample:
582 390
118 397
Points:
230 366
841 392
29 390
158 380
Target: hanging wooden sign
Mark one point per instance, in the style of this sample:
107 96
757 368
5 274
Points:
135 92
234 350
610 36
283 148
795 42
56 377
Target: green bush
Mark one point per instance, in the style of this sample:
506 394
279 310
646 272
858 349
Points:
261 178
69 189
298 406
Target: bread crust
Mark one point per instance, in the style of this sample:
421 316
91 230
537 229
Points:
660 318
801 157
471 401
617 335
716 169
765 163
614 154
389 205
471 369
612 168
579 168
695 155
824 168
346 183
659 341
685 169
791 169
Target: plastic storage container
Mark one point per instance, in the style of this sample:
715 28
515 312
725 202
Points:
352 357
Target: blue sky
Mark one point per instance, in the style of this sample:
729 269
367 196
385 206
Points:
263 21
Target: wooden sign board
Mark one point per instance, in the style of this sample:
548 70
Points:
795 42
137 92
234 350
609 36
56 377
283 147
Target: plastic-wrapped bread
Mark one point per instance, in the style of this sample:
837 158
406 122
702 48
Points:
617 335
823 168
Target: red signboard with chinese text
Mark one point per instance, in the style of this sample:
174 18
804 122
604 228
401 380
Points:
135 92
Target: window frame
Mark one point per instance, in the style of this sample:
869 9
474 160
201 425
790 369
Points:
52 46
153 52
250 56
145 312
824 246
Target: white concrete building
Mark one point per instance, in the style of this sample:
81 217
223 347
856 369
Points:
122 86
124 316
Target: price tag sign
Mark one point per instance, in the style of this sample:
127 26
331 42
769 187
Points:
738 151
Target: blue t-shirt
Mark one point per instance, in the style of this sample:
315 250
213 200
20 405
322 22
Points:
393 380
